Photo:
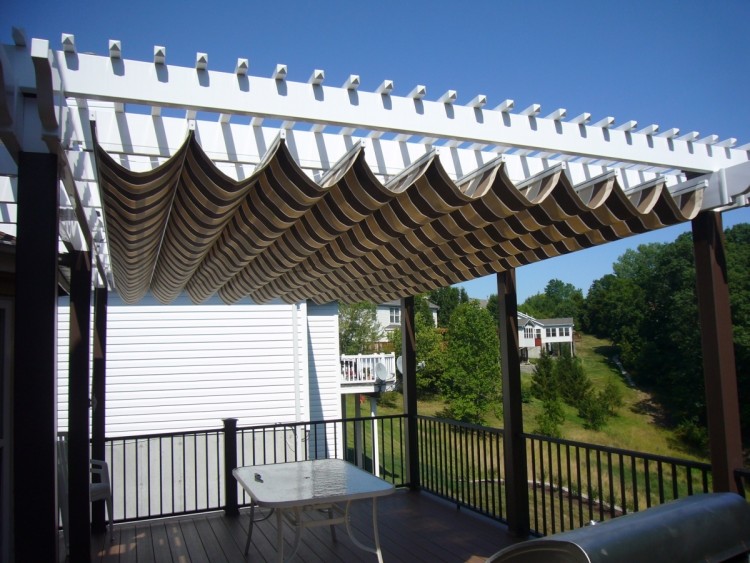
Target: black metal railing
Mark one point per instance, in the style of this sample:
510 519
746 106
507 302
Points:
180 473
462 463
573 483
570 483
166 474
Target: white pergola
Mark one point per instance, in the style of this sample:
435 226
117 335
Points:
570 182
143 111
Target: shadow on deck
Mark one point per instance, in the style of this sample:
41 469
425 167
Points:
413 527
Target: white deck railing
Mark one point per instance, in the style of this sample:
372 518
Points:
367 368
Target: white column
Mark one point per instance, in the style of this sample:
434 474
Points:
358 434
375 446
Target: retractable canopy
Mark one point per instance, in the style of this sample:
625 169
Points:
186 226
205 182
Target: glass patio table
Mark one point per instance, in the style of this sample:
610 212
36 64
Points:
324 484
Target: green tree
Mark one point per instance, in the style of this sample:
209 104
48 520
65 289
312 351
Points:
550 419
447 299
471 383
574 385
544 383
430 356
493 307
358 327
559 300
738 266
648 307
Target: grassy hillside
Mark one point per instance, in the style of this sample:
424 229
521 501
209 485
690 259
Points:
636 427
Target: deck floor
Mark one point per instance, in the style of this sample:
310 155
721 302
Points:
414 527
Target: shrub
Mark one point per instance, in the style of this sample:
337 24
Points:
550 419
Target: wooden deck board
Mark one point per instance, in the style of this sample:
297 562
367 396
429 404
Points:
414 527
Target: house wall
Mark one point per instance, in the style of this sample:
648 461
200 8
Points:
383 313
325 375
187 367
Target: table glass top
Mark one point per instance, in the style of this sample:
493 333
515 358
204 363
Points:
313 481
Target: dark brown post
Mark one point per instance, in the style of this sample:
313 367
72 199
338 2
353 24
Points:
514 443
230 462
35 375
719 371
409 377
79 457
98 393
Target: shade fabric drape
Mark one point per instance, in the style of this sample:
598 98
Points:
187 227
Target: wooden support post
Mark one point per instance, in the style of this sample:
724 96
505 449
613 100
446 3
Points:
79 454
35 516
409 365
98 393
514 443
719 370
230 462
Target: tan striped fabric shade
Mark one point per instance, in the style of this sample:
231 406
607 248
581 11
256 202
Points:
185 226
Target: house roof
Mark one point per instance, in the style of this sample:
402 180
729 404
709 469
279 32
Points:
556 322
330 193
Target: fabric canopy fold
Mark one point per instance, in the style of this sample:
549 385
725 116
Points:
186 227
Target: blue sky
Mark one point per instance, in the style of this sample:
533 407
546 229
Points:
677 63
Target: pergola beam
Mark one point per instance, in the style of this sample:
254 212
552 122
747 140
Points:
144 83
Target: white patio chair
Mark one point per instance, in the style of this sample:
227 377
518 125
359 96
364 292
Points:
100 487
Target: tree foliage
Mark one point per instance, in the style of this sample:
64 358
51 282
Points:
648 307
430 356
447 299
574 385
471 382
358 327
544 383
559 300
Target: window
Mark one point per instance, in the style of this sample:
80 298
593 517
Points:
551 332
395 315
528 332
565 331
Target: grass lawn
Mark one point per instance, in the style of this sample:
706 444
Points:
637 425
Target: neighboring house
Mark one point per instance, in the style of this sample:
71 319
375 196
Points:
389 317
551 335
185 366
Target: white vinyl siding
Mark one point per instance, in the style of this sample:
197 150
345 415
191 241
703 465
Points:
183 366
325 370
325 376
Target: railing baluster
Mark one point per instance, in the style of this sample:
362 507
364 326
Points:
623 500
543 480
660 480
579 486
611 477
560 490
589 490
635 483
600 484
571 517
551 487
